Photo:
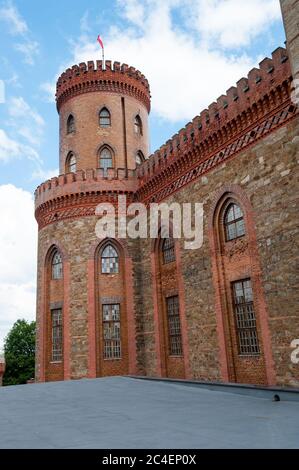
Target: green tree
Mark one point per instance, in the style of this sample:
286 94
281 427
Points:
19 351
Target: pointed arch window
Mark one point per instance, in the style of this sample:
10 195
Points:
57 266
106 159
110 260
105 118
139 158
234 222
168 251
71 124
71 163
138 125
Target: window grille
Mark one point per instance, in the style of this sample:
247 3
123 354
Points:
111 331
174 326
245 318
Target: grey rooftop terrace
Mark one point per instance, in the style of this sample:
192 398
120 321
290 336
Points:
123 412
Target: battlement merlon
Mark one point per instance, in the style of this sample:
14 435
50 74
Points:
87 182
263 89
111 77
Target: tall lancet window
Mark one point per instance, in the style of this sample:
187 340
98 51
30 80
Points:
106 160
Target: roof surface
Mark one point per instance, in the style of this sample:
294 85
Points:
122 412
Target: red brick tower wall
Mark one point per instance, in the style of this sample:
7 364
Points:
83 92
65 211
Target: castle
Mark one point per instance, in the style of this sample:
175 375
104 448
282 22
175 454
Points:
225 312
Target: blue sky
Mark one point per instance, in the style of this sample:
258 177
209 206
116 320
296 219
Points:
191 51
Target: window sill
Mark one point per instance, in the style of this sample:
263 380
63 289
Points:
116 359
55 362
249 356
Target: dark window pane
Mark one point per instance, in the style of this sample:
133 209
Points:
105 118
57 266
168 250
234 222
111 331
174 326
57 335
245 318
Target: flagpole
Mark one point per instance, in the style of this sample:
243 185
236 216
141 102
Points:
103 58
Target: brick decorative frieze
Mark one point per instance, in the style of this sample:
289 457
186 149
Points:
183 170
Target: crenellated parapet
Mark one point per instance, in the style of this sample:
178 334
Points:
77 194
109 77
227 126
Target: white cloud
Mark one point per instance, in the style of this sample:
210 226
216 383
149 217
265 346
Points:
11 149
49 89
26 121
18 242
17 26
43 175
20 109
233 23
187 70
30 49
9 14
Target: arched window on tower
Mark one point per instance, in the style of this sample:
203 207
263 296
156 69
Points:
234 222
106 160
109 260
71 163
105 118
71 124
138 125
57 266
139 157
168 251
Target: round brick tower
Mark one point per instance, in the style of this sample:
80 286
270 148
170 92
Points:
85 306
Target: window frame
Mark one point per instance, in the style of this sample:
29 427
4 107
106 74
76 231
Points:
234 222
115 343
139 155
56 273
168 253
174 320
57 336
68 162
138 125
70 126
107 118
105 168
116 258
245 321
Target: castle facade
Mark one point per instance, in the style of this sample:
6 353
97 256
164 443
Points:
226 312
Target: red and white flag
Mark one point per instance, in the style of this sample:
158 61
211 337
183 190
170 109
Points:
100 42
